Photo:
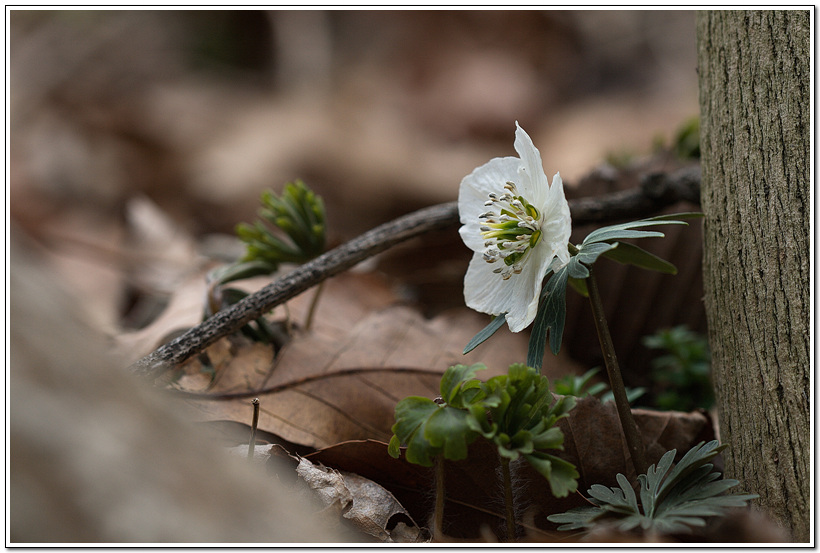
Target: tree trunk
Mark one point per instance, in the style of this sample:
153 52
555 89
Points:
755 132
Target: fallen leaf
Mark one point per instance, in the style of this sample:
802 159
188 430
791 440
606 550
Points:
368 506
342 379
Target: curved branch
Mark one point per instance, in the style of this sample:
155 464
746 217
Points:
656 192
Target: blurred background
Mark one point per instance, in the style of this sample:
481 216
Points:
139 139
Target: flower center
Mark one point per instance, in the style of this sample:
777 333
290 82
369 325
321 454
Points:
510 231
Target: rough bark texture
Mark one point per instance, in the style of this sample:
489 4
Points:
755 133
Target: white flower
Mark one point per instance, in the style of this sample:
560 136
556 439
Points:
518 227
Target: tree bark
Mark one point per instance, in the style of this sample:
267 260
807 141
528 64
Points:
755 144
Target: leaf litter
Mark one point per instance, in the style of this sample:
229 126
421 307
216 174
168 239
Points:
333 389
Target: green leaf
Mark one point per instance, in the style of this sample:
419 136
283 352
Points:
430 429
394 447
588 254
607 235
577 518
629 493
625 230
447 429
552 438
550 318
630 254
631 394
562 475
497 322
678 216
453 381
411 414
672 500
579 285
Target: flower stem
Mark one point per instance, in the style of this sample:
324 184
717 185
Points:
508 498
313 303
438 519
631 432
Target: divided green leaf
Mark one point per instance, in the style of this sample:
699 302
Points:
429 428
623 252
630 254
670 501
550 318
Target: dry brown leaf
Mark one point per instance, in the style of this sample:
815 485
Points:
342 379
367 505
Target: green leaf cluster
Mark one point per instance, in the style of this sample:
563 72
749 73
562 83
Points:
579 386
672 500
518 415
686 142
291 229
515 411
683 373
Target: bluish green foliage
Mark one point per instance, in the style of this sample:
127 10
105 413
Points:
672 500
574 385
683 373
550 319
515 411
606 241
497 322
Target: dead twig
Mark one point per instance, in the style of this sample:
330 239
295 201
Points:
657 190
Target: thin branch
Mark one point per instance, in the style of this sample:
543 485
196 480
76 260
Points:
656 192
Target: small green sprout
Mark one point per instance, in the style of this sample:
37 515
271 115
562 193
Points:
574 385
291 229
299 217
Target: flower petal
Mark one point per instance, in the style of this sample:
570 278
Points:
531 180
557 223
487 292
474 191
